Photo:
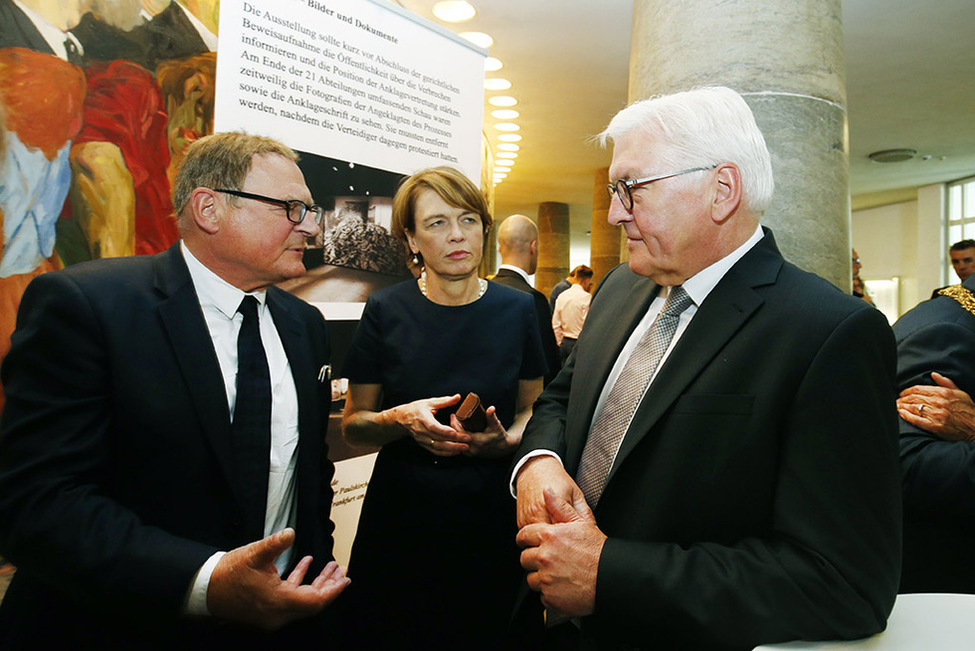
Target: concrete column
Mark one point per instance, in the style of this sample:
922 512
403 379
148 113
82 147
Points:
786 59
604 241
553 245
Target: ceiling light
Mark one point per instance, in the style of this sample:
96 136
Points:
507 154
502 100
507 146
480 39
509 137
496 83
505 114
492 65
892 155
507 126
508 164
454 11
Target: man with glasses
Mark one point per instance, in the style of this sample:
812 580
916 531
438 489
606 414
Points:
164 480
716 466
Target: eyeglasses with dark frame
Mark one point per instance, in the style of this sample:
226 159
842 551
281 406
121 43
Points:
622 188
295 209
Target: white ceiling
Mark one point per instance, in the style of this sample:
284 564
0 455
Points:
910 69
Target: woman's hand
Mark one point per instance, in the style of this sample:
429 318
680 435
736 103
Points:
418 418
494 441
363 425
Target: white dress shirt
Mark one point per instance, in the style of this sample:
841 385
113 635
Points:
219 301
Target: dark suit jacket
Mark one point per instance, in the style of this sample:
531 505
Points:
544 315
17 30
116 461
755 497
171 35
939 476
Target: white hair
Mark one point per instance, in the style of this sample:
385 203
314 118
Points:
701 127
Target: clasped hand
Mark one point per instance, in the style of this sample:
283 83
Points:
561 541
245 586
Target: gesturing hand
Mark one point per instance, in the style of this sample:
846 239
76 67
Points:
494 441
944 410
419 419
245 586
562 558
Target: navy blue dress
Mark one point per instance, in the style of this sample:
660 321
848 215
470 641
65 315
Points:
434 564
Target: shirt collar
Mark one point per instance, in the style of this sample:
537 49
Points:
212 290
700 284
55 37
517 270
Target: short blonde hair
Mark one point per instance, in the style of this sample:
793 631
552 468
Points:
450 185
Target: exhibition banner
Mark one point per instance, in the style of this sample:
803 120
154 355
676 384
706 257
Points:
355 80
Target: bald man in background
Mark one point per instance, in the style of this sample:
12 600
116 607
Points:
518 245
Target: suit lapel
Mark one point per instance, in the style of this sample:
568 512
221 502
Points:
188 333
724 312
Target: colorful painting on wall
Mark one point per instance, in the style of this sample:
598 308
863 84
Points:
98 101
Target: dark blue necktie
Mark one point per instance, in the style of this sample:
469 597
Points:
251 426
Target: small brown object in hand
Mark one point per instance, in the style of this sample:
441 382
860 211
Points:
471 414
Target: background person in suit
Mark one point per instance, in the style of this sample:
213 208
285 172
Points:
518 245
560 287
936 371
755 495
128 500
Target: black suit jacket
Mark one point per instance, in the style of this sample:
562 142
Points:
116 466
544 315
755 497
17 30
939 476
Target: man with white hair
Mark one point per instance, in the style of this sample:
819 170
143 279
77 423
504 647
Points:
716 466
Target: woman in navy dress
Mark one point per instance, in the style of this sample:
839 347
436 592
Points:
434 564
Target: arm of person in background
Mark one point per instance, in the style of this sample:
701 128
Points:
363 425
496 441
943 409
557 322
937 472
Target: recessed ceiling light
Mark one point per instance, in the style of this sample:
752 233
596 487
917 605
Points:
492 65
505 114
500 175
479 39
892 155
504 163
502 100
507 154
509 137
507 146
507 126
454 11
496 83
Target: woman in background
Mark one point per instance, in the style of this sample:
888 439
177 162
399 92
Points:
434 564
